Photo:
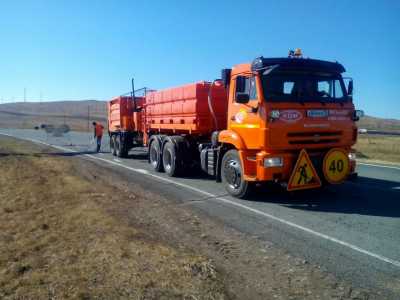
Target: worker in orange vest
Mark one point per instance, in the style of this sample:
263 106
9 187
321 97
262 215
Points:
98 134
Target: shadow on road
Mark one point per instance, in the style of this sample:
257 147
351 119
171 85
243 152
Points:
365 196
139 156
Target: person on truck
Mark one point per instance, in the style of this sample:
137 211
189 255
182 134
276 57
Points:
98 134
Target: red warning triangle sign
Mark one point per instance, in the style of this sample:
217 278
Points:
304 175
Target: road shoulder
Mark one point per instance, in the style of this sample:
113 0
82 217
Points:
216 261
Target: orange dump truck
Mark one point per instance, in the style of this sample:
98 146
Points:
286 120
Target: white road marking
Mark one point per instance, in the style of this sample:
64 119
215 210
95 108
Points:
233 203
379 166
143 171
117 160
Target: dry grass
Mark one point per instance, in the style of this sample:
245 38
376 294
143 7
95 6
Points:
70 228
379 147
56 241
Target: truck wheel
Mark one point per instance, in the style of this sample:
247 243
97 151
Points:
112 145
171 160
120 148
155 156
117 142
232 175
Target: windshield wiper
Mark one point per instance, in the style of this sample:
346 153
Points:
269 69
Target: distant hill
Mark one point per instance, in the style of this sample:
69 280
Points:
380 124
73 113
70 108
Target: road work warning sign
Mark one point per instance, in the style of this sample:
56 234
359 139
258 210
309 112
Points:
304 175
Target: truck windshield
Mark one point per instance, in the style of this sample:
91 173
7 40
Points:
303 87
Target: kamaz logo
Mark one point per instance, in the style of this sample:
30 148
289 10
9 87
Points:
290 115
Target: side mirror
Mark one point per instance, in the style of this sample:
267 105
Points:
357 114
240 84
242 98
350 88
242 95
360 113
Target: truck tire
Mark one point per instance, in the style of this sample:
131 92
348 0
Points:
112 145
155 157
232 175
117 145
171 160
120 147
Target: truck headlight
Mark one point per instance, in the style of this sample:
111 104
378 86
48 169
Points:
273 162
352 156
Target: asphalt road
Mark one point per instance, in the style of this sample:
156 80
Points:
351 230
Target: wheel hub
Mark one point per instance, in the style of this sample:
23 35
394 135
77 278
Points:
167 160
233 174
153 156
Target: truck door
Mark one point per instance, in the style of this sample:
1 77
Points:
244 118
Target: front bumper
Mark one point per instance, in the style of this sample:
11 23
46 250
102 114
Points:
254 170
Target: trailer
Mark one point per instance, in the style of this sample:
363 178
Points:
286 120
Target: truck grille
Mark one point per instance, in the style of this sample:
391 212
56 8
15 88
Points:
313 138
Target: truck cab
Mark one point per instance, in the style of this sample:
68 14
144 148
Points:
280 107
288 120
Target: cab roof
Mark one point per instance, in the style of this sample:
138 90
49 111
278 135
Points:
306 64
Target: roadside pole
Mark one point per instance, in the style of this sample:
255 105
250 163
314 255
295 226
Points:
88 123
88 118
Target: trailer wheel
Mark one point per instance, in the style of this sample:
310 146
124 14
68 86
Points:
171 160
112 145
155 156
119 147
232 175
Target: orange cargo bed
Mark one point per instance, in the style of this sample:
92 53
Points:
120 114
186 109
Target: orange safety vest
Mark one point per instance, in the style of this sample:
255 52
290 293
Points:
98 130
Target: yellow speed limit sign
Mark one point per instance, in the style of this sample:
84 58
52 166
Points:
336 166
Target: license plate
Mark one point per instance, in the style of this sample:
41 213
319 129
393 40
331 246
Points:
317 113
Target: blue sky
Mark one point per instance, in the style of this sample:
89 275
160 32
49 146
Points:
90 49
